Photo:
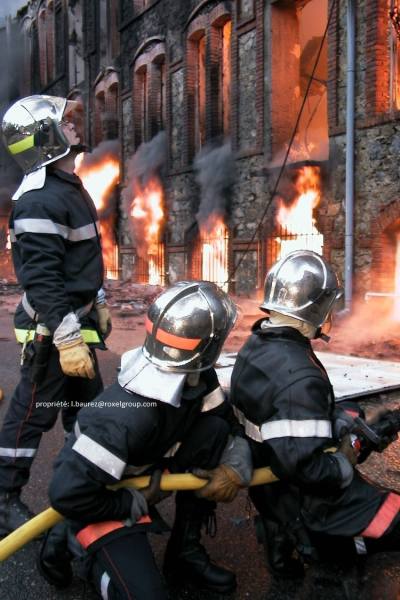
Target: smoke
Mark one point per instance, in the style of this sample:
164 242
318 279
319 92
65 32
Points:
147 162
215 174
145 172
102 151
370 331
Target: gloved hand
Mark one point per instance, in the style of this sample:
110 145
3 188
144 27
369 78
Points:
223 486
76 359
234 472
152 493
104 317
148 496
139 506
350 452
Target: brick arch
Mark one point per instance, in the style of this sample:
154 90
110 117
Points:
148 66
148 49
106 90
385 228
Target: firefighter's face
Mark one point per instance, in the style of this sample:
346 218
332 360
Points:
327 326
72 123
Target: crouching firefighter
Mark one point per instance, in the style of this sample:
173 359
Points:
165 412
281 393
58 261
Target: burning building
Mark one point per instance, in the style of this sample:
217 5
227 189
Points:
267 79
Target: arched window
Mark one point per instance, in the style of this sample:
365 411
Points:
196 89
27 57
221 36
140 94
106 92
149 90
50 39
99 110
42 37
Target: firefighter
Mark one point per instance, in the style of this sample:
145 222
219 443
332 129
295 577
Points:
282 395
58 262
165 412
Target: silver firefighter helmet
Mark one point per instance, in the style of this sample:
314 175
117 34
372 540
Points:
187 326
302 285
32 131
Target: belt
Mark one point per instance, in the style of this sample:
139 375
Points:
30 311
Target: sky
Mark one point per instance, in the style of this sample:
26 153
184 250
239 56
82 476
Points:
10 7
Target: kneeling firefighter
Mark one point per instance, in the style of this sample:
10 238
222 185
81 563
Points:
281 393
165 412
58 262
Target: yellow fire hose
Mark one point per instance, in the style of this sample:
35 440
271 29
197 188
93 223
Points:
169 483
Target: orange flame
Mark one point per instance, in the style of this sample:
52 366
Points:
147 212
298 219
214 249
99 180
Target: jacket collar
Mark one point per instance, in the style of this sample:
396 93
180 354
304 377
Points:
70 177
279 332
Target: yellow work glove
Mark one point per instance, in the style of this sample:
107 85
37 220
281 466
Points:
104 317
76 359
223 486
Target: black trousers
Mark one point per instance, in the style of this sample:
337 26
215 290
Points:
33 410
123 568
346 549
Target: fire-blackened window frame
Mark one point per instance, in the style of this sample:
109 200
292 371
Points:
42 26
221 75
208 101
149 90
27 32
294 50
106 99
59 39
394 14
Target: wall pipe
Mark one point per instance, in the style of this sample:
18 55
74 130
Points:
350 123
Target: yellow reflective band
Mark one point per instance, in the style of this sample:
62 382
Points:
24 335
22 145
90 336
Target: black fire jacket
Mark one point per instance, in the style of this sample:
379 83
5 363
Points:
119 433
56 248
282 395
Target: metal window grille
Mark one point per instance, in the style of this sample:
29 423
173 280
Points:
209 259
151 270
281 242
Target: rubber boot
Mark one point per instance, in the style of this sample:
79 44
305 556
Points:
279 549
54 562
13 512
185 558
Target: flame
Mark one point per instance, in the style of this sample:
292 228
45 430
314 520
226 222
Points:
147 212
100 179
298 219
214 249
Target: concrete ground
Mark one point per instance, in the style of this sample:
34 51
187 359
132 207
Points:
235 544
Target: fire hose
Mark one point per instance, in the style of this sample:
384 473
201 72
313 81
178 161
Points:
369 437
169 483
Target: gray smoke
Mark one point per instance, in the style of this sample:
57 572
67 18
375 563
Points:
215 174
97 155
147 163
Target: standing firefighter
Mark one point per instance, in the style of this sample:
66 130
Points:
166 412
282 395
58 261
